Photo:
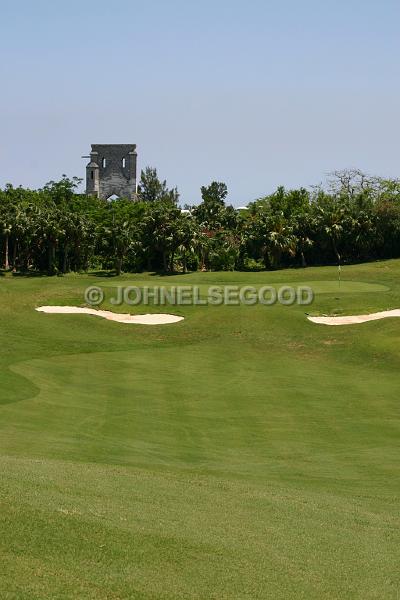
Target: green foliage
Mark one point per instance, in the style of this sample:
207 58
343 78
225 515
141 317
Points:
57 230
211 213
151 189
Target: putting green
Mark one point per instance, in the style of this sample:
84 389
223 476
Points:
242 453
319 287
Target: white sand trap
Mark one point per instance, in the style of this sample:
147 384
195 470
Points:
149 319
354 320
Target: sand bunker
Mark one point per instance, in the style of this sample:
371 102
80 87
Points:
354 320
149 319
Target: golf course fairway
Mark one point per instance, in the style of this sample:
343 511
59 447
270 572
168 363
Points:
241 453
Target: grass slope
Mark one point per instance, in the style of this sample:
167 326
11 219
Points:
242 453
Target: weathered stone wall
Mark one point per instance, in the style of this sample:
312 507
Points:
112 171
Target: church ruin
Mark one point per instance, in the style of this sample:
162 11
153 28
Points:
112 171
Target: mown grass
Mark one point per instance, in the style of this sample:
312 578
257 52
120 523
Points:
242 453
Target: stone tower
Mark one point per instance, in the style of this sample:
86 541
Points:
112 171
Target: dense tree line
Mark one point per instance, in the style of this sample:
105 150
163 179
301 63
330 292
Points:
56 230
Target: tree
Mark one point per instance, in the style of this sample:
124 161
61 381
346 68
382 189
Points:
55 229
6 225
121 230
210 212
190 241
62 191
151 189
161 224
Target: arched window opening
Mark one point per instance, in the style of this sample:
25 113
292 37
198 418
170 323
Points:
123 163
104 163
92 174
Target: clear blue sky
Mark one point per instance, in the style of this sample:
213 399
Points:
256 94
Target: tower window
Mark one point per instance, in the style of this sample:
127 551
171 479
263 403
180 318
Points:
123 163
92 174
104 163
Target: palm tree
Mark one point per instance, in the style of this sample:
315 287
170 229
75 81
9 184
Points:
273 235
6 229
